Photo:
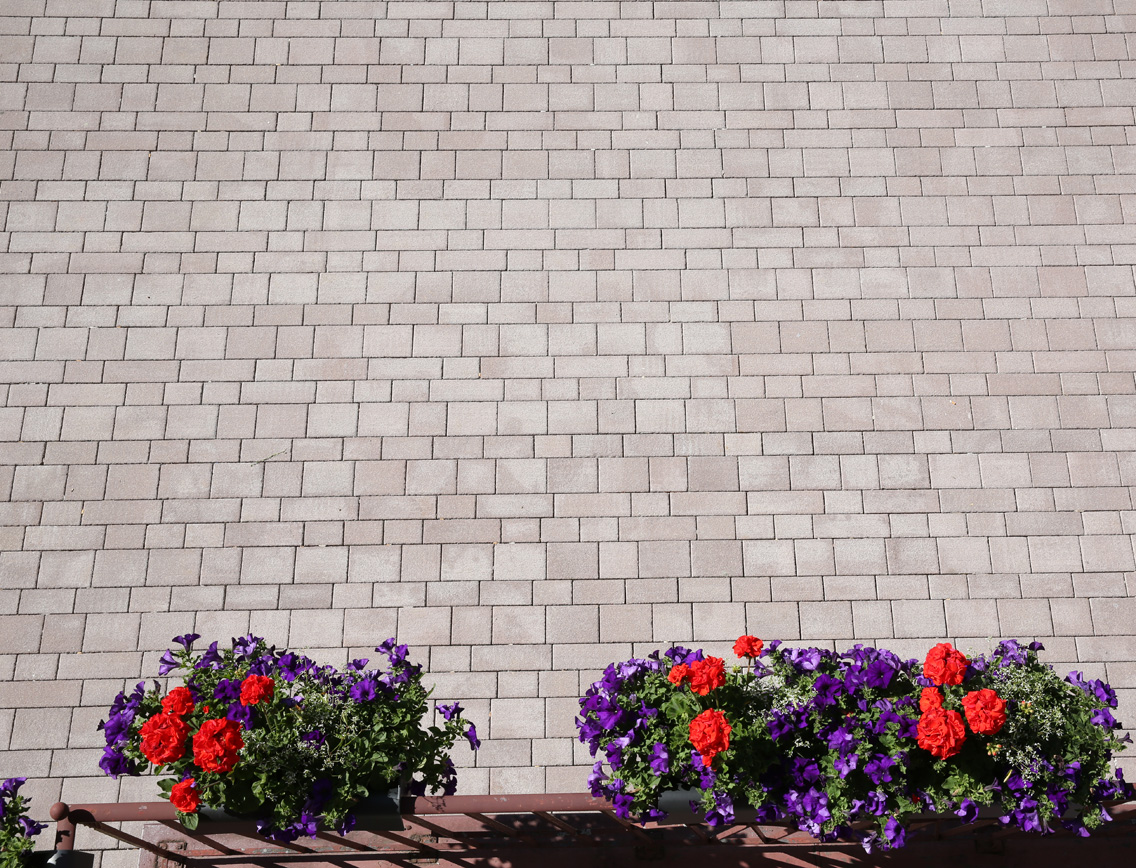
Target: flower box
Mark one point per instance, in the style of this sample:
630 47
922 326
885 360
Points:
853 745
16 829
379 811
256 733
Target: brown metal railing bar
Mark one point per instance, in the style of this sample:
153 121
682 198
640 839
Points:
731 830
567 827
698 831
343 842
502 828
441 831
200 837
82 818
561 803
630 827
299 858
760 834
439 853
97 817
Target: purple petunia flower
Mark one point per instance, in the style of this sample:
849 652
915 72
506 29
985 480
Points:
875 803
31 828
894 832
211 659
168 663
879 674
596 779
878 769
246 645
784 722
11 786
364 690
846 764
722 814
471 734
1102 717
347 825
315 738
242 714
622 802
841 739
395 653
804 659
804 771
115 763
967 811
449 712
187 640
827 690
227 690
660 759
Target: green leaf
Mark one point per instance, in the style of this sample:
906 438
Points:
188 820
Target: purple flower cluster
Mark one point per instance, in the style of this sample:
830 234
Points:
282 727
116 730
835 742
12 809
604 702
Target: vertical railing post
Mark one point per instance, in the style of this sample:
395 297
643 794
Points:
64 828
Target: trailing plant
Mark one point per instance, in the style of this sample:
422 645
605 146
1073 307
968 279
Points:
848 745
16 829
272 735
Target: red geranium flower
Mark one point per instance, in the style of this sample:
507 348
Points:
679 673
216 744
748 646
178 702
707 675
941 732
184 796
945 665
710 734
930 698
985 711
163 738
257 688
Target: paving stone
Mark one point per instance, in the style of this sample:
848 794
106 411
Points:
438 325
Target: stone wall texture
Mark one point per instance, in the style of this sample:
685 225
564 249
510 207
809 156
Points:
542 334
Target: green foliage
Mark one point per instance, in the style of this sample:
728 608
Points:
16 830
321 742
835 742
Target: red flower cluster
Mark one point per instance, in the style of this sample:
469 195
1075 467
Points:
941 732
184 796
710 734
930 698
945 665
985 711
702 675
707 675
748 646
216 745
178 702
257 688
678 675
163 738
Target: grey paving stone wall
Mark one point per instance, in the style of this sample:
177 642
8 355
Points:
544 333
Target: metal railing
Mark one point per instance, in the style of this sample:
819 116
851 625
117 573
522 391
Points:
562 830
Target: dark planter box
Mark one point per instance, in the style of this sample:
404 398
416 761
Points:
380 811
677 805
59 859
